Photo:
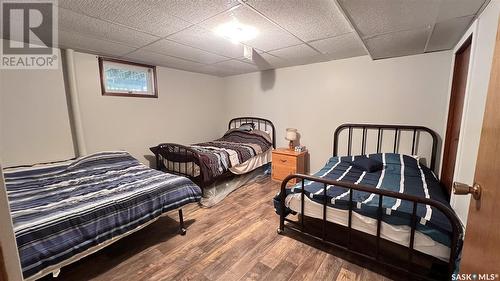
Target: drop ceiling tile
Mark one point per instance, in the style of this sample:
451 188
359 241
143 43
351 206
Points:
96 8
236 67
299 54
203 39
147 17
311 20
340 47
162 60
458 8
91 27
216 71
209 69
447 33
397 44
195 11
265 61
275 61
141 15
269 36
385 16
172 48
96 46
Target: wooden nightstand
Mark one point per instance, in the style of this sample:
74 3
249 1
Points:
286 162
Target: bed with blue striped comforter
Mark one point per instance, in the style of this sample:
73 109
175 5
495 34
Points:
62 210
401 173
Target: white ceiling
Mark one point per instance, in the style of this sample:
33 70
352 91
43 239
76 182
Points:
391 28
179 33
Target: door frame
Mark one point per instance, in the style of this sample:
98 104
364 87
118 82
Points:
465 42
470 33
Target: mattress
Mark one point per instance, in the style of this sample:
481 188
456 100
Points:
400 173
399 234
62 211
252 163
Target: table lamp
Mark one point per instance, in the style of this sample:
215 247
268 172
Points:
291 135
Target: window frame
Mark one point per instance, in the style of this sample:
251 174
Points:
121 94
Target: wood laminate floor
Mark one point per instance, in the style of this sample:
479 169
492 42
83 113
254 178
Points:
235 240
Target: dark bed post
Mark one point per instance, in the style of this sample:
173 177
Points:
158 161
281 228
181 223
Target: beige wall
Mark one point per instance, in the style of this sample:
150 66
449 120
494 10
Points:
317 98
484 32
188 109
34 123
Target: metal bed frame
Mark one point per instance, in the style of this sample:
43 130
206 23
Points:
163 150
407 267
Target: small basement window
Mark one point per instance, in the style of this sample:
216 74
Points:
127 79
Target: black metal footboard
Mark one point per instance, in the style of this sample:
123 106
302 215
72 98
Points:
179 160
456 235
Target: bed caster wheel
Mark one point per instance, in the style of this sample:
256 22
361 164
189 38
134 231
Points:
183 231
280 231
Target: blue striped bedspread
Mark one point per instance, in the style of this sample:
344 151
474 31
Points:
61 210
401 173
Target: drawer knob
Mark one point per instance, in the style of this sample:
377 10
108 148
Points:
283 160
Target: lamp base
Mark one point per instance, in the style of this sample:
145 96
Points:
290 145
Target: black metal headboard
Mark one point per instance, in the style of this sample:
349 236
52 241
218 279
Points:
381 129
260 124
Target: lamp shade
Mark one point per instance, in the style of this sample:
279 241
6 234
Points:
291 134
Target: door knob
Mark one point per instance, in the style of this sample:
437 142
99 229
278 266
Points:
462 189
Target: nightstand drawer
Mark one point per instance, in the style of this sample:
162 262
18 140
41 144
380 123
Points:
287 162
280 172
284 160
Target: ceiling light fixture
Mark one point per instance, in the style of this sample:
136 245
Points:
236 32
